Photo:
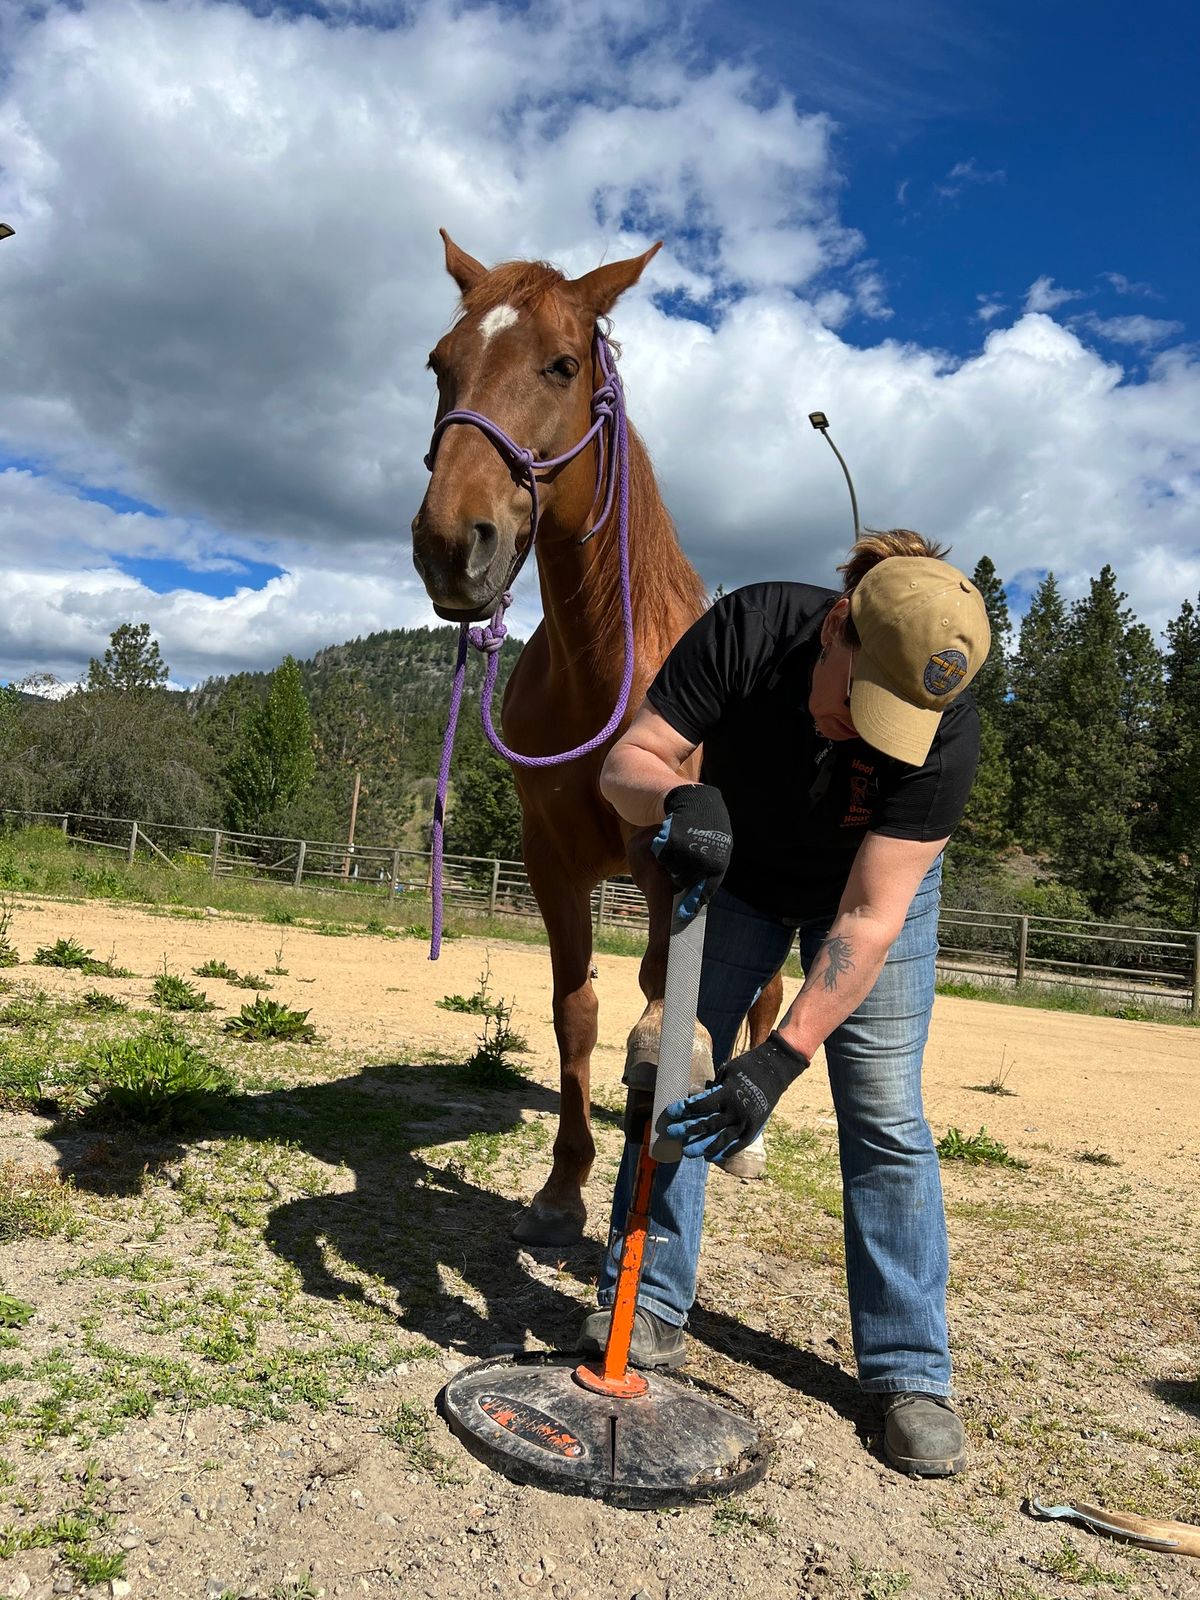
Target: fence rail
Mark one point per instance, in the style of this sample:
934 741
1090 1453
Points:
998 946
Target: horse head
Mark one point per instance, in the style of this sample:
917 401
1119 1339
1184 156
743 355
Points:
521 354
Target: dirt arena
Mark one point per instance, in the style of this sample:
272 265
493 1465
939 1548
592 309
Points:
362 1206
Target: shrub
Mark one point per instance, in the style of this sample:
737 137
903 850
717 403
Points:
264 1020
158 1078
489 1067
65 953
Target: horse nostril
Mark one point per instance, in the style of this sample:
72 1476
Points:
485 532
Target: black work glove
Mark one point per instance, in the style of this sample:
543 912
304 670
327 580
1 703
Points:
733 1112
694 843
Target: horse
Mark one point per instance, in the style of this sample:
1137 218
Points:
524 354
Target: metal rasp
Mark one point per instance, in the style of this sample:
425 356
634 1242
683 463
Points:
673 1079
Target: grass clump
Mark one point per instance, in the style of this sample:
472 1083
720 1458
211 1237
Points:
174 993
34 1205
264 1020
731 1517
157 1078
216 969
998 1082
250 980
977 1150
408 1429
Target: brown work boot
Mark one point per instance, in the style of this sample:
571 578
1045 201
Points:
922 1436
655 1343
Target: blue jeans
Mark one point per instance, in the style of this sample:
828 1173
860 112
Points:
895 1224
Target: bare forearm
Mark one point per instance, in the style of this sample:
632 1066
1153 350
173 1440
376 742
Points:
849 961
635 783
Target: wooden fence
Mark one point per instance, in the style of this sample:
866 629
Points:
994 946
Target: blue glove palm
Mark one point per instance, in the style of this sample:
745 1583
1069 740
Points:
732 1113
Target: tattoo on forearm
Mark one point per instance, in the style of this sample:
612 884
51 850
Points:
839 951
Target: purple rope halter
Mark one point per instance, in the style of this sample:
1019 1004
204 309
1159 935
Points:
611 427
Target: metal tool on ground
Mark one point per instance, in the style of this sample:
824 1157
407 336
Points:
600 1428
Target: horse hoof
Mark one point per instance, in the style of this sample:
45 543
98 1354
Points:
549 1225
748 1164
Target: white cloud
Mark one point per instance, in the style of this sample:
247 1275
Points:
1043 295
990 307
227 275
1124 285
1142 332
965 175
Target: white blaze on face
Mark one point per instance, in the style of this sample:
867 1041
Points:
497 319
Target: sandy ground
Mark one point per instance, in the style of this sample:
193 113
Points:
1073 1305
1129 1088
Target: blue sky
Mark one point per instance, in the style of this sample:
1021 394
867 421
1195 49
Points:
1077 123
967 231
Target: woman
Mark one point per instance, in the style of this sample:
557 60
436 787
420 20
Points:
839 750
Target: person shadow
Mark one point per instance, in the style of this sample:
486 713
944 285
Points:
411 1222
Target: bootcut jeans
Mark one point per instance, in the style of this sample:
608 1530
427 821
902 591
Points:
895 1224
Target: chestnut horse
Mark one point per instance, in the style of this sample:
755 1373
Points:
522 353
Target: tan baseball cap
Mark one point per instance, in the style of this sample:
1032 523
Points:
925 634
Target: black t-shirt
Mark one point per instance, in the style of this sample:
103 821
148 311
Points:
738 683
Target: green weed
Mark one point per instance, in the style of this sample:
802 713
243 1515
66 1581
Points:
1067 1563
490 1067
96 1003
157 1078
478 1004
977 1149
264 1020
216 969
65 953
9 954
250 980
14 1313
174 993
408 1429
734 1517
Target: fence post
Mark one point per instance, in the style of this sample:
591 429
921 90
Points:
1196 976
131 854
216 853
298 876
64 822
495 889
395 889
602 903
1022 949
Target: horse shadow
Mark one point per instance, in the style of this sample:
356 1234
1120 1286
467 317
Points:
420 1233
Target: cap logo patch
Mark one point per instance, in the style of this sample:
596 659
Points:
945 671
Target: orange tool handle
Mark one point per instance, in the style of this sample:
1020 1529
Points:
612 1376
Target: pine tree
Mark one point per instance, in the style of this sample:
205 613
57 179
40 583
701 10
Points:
985 824
1034 710
131 663
990 686
1111 677
1171 825
274 762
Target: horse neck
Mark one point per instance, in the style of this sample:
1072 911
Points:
581 584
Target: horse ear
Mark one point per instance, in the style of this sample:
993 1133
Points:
464 269
596 293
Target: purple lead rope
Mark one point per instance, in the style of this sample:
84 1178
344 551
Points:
612 480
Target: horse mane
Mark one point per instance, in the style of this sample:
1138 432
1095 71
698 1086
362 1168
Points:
663 583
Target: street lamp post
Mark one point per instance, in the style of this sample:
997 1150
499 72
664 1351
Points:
821 423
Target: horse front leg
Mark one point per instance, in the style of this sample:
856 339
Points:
557 1213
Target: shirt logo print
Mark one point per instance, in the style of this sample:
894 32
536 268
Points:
862 795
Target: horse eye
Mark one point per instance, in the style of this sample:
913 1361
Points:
565 367
432 362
